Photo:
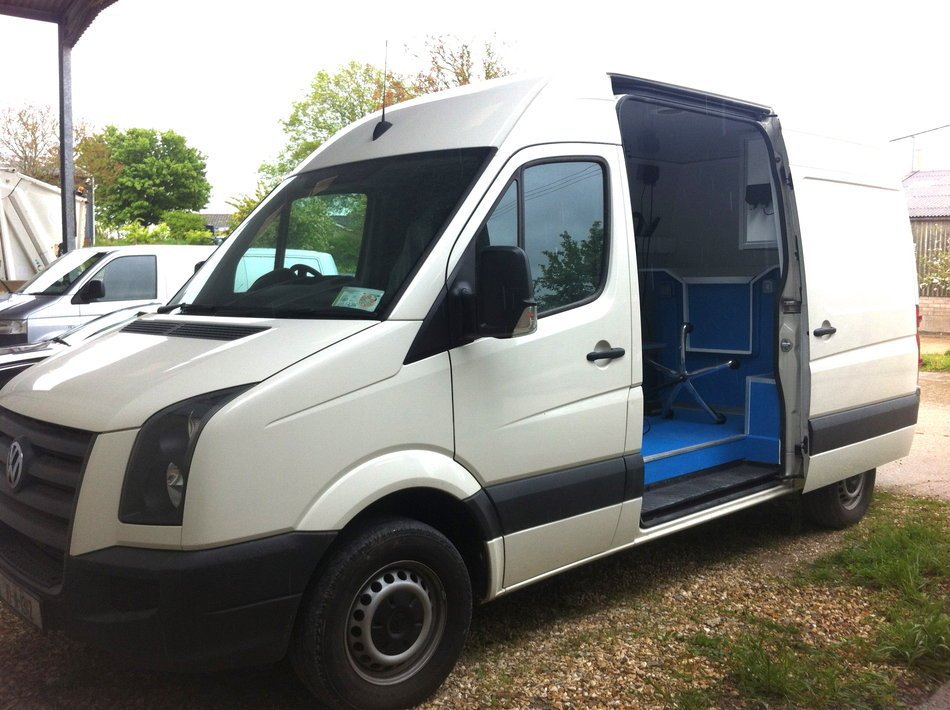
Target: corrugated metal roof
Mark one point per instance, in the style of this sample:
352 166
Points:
928 193
73 15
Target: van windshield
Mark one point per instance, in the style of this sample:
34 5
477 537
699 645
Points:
338 242
56 278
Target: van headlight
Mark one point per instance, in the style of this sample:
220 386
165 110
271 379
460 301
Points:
12 327
156 479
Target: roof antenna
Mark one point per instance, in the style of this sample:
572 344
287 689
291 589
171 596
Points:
383 124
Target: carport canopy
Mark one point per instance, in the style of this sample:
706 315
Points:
72 17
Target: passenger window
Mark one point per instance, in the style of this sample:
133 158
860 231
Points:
129 278
563 231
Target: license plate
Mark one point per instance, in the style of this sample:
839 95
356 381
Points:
21 601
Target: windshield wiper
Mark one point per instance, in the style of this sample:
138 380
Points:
197 308
57 339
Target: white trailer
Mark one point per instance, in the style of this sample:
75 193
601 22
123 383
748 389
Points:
31 224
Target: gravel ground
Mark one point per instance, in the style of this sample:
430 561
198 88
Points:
615 633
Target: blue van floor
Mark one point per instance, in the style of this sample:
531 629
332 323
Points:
687 429
689 442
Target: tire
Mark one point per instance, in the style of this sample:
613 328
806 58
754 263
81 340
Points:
384 621
840 504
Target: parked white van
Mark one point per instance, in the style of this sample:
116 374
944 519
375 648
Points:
89 282
570 317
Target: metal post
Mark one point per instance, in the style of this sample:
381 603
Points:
66 169
91 212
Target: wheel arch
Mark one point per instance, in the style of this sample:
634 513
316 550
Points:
426 486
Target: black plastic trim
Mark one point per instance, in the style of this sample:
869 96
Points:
636 474
187 610
549 497
433 335
483 512
833 431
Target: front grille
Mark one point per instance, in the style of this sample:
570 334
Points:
35 516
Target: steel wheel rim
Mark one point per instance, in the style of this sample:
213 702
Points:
395 622
850 491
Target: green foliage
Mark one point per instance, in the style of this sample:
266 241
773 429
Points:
246 203
922 642
181 222
354 90
138 233
334 100
197 236
936 272
783 668
157 172
909 557
332 224
935 362
573 272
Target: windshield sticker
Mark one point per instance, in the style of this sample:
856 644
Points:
364 299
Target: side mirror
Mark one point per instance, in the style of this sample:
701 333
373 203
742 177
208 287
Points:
505 304
90 291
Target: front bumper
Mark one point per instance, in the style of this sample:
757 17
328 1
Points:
184 610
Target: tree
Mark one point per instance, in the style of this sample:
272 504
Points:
334 101
573 271
452 63
355 90
29 141
155 172
94 159
936 273
244 204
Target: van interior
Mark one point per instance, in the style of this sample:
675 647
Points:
710 267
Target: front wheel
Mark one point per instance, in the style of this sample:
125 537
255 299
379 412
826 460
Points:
385 620
841 504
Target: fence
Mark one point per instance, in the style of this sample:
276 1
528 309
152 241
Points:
931 238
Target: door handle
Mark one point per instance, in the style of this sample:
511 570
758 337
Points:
825 330
611 354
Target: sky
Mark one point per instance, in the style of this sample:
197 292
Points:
224 73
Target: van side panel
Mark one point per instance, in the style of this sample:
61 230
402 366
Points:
860 292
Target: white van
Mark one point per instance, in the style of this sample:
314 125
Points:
572 317
86 283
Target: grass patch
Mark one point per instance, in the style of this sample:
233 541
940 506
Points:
935 362
921 642
910 557
902 553
786 670
772 664
905 555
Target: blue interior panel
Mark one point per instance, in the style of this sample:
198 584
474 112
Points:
707 303
664 313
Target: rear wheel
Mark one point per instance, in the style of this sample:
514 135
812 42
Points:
385 621
841 504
